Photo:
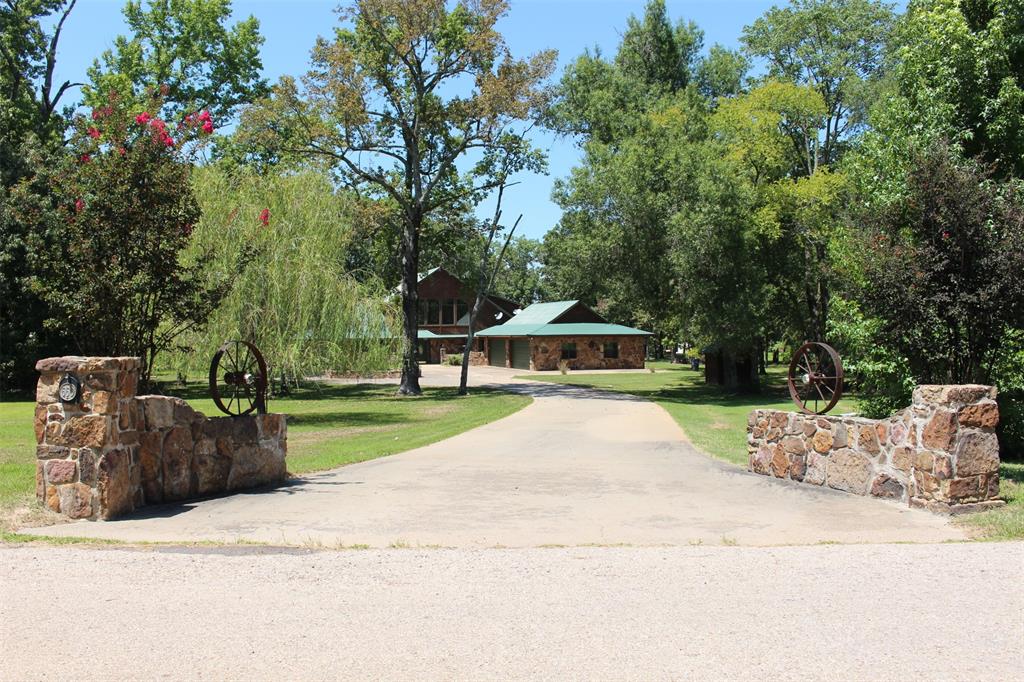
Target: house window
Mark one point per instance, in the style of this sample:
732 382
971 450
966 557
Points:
421 312
433 312
611 349
568 351
448 311
463 308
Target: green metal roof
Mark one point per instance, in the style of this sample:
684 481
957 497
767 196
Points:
423 275
427 334
542 313
514 328
588 329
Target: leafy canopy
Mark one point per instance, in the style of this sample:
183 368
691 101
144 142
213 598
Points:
185 48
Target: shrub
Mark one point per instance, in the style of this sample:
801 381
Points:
454 359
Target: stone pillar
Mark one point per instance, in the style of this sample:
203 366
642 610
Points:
87 450
956 467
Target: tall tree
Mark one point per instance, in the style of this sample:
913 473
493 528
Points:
403 93
654 53
29 96
722 73
518 275
186 48
837 48
32 121
958 76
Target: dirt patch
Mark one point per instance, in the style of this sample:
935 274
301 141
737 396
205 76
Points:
26 513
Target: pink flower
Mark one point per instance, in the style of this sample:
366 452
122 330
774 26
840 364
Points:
169 141
96 114
204 115
158 124
207 127
79 205
85 158
946 234
143 118
265 217
122 151
93 133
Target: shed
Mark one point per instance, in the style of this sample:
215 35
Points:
544 334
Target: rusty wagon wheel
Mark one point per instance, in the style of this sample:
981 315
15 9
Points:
815 378
238 375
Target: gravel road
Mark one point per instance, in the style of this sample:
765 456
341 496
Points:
837 612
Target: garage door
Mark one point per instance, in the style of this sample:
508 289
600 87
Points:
496 353
521 353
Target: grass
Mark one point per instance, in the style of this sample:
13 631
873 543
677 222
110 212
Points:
328 426
1006 523
715 420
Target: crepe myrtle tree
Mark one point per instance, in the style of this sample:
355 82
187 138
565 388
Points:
119 204
418 102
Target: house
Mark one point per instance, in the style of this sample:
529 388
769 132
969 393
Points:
443 316
544 334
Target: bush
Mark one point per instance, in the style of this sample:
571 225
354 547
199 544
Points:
879 376
1011 425
454 359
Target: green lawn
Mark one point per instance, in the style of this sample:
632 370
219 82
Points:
328 426
716 422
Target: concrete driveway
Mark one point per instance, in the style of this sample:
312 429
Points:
575 467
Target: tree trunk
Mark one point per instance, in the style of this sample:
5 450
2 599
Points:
410 302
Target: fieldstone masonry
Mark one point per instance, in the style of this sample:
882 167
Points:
940 453
113 451
546 352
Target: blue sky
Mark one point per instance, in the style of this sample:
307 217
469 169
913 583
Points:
570 26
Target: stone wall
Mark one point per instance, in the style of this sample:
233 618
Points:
940 453
546 352
112 451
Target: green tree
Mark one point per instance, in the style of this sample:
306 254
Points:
29 97
381 105
720 262
722 73
800 214
284 243
958 76
519 274
185 48
121 209
655 54
31 122
837 48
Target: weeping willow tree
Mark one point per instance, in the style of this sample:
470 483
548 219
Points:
280 242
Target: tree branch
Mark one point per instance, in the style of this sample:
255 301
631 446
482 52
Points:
47 105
